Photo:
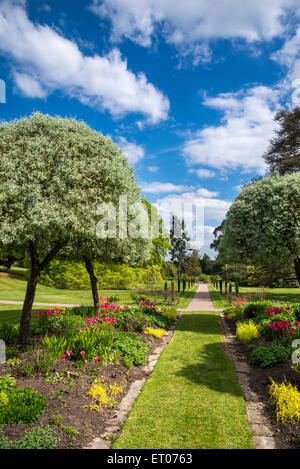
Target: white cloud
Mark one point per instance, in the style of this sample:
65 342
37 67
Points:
289 57
191 21
214 209
161 187
202 173
54 62
29 86
133 151
190 204
153 169
243 135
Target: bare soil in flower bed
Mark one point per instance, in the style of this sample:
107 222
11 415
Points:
71 404
287 435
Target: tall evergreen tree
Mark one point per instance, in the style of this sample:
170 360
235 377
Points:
283 155
180 247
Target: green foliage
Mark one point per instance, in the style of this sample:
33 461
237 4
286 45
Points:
8 332
36 438
180 249
161 321
168 271
84 311
24 406
51 206
113 299
37 362
94 343
266 357
283 152
269 277
296 310
247 331
7 382
71 323
269 332
70 430
135 324
287 400
130 346
259 307
262 225
128 362
160 241
57 419
73 275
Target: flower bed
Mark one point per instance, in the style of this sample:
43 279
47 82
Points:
78 366
268 338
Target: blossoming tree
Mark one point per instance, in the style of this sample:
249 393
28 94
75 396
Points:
262 226
54 173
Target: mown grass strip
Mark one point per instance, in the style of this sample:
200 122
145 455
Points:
192 398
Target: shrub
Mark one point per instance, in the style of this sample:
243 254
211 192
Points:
24 406
35 362
266 357
113 299
155 332
135 324
129 345
12 352
8 332
7 382
287 400
247 331
296 310
279 324
72 323
170 314
73 275
159 321
259 307
84 311
104 395
46 321
36 438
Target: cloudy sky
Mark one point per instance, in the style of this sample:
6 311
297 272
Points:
187 88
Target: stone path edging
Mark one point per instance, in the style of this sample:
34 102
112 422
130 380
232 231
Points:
115 424
263 435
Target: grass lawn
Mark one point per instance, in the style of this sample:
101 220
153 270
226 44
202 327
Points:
277 295
192 399
13 288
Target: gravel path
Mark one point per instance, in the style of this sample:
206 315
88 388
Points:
201 300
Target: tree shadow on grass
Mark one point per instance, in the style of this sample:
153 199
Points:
211 367
200 322
213 370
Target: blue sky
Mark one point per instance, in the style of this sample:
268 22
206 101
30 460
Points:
188 89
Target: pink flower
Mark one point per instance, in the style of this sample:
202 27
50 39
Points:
69 353
102 358
64 357
96 359
82 353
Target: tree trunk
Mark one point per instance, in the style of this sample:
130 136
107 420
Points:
27 305
36 268
93 279
297 268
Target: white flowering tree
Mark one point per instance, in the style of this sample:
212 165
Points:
54 173
262 226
